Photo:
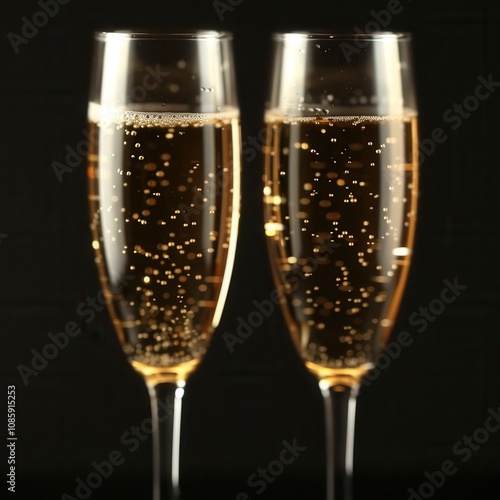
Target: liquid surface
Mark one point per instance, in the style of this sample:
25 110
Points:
340 202
164 194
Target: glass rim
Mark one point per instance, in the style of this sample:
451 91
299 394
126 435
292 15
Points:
342 36
145 34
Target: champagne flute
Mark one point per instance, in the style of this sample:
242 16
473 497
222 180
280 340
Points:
164 199
340 193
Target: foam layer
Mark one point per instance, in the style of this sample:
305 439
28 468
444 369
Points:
100 114
275 115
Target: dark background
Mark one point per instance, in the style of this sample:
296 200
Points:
240 407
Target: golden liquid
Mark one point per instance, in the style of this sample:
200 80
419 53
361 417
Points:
164 194
340 202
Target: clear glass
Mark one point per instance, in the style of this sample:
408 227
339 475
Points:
340 196
164 194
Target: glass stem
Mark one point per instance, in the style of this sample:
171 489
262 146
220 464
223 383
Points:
340 413
166 412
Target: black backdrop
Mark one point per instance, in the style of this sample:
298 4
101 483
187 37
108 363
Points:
241 406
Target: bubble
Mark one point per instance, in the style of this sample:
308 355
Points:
354 164
333 215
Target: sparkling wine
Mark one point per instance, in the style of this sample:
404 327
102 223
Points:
340 201
164 194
